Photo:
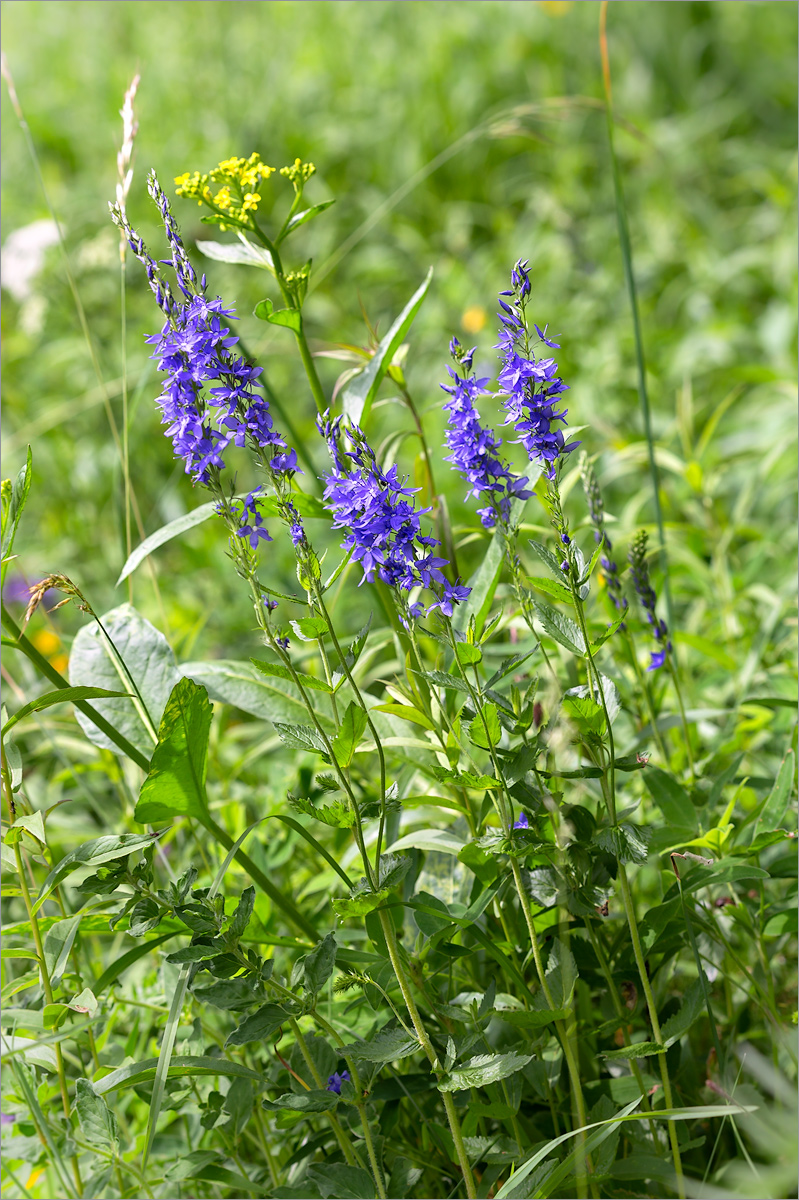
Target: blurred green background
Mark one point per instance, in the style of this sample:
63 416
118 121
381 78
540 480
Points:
461 136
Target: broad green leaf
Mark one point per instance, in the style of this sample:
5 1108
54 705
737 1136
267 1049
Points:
442 679
338 815
561 628
58 943
151 663
561 974
393 868
386 1046
353 724
278 671
781 923
584 713
319 963
672 800
361 391
92 854
552 587
311 1102
610 695
431 839
531 1019
259 1026
336 1181
175 785
723 871
310 629
485 730
98 1124
165 534
241 684
628 843
57 697
430 923
404 1176
467 654
482 1070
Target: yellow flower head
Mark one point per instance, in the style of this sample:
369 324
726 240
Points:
238 196
298 173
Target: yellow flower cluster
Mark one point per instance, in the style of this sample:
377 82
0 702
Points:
237 197
298 173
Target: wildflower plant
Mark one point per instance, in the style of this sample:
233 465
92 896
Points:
397 1037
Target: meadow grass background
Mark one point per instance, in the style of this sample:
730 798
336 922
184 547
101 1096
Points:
373 93
506 99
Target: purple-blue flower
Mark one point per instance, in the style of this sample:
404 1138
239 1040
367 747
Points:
474 447
383 524
251 524
596 511
451 595
335 1081
522 822
639 571
531 385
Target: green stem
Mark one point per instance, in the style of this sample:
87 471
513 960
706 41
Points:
683 719
387 926
342 1137
640 962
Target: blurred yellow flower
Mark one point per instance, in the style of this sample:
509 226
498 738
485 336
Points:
46 642
474 319
555 8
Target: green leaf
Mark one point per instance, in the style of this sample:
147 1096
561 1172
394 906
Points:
310 1102
776 806
431 839
345 743
637 1050
165 534
338 1182
609 694
532 1019
393 869
585 713
150 661
19 495
430 923
98 1124
609 632
361 391
672 800
562 629
175 784
628 843
485 579
229 994
724 871
358 906
781 923
259 1026
561 977
92 854
485 730
300 737
310 629
318 964
676 1026
246 253
306 215
387 1045
482 1070
442 679
290 318
549 561
180 1067
552 587
338 815
278 671
406 713
467 654
243 685
404 1176
57 697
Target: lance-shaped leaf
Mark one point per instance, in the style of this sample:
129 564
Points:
482 1070
358 397
93 854
386 1046
98 1124
175 785
561 628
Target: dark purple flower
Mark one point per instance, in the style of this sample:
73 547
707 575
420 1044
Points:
251 524
335 1081
522 822
451 595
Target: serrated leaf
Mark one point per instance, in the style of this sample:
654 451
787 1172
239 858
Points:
98 1124
175 783
485 730
335 1181
345 743
319 963
628 843
278 671
609 632
393 869
585 713
552 587
386 1046
300 737
442 679
483 1070
561 628
549 560
310 629
338 814
468 654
